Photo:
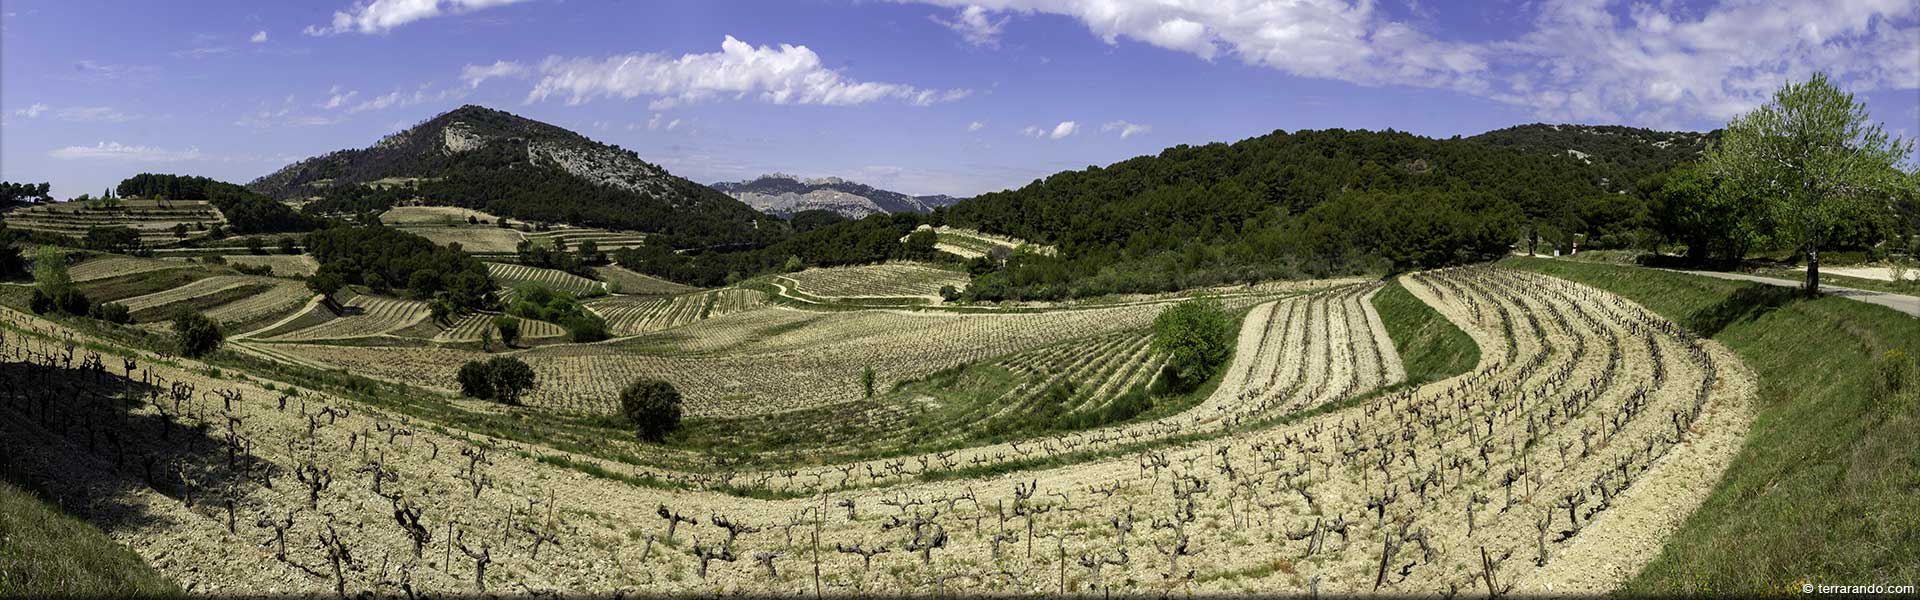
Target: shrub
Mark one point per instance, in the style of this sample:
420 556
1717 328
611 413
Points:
949 293
504 379
509 328
652 406
67 301
195 335
111 312
866 380
1198 334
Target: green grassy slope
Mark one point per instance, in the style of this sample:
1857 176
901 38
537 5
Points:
1827 486
1429 345
47 553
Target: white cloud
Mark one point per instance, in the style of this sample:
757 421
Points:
421 95
976 126
1579 60
1064 129
784 75
475 74
259 38
202 52
31 112
118 151
339 100
380 16
1126 129
974 25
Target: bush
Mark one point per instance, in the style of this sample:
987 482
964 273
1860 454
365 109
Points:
509 328
504 379
652 406
949 293
111 312
1198 334
195 335
66 301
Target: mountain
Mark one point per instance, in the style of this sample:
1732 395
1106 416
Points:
1622 155
512 166
783 195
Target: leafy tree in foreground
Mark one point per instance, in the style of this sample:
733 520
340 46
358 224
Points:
652 406
195 334
1812 153
1198 334
504 379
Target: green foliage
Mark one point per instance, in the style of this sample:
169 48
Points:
122 240
67 301
867 380
844 242
1813 155
1714 220
111 312
24 192
195 335
50 270
325 282
504 379
380 257
652 407
1413 230
509 329
534 300
1198 337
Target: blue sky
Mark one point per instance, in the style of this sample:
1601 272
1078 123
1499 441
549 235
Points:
922 96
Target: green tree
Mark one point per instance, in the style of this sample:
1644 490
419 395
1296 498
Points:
1198 337
195 335
504 379
1713 220
1814 156
50 270
652 406
326 283
509 329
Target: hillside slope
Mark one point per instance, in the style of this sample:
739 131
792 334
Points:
528 170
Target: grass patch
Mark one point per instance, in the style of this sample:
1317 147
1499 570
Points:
1431 348
45 552
1827 487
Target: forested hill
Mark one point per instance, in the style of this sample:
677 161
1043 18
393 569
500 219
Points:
1623 155
1316 201
516 167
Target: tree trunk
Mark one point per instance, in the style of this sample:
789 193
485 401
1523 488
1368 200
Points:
1813 272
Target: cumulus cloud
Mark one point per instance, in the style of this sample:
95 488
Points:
1579 59
259 38
785 75
32 112
118 151
475 74
975 25
380 16
976 126
1126 129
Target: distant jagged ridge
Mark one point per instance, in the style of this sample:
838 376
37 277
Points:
784 195
504 164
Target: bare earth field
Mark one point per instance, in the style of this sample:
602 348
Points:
1589 428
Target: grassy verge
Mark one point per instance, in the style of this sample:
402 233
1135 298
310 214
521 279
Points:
45 552
1826 488
1430 347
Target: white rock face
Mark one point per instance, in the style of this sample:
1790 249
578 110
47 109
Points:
605 168
851 205
460 137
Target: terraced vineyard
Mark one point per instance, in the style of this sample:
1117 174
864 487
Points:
111 266
561 281
469 329
1588 429
297 265
363 316
629 315
890 280
627 282
153 219
968 243
607 240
